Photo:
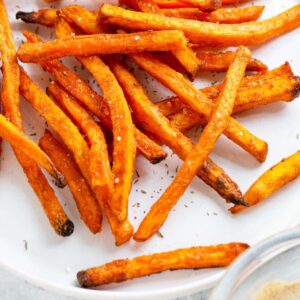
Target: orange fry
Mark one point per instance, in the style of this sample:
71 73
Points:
203 4
188 258
205 33
200 103
45 17
123 132
153 121
11 105
122 231
80 90
19 140
220 61
102 44
195 159
272 180
85 201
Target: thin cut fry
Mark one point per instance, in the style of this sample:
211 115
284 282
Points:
205 33
220 61
272 180
102 44
123 133
200 103
90 99
122 231
277 85
45 17
85 201
19 140
195 159
203 4
188 258
11 101
153 121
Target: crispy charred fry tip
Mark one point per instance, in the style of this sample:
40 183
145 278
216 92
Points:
65 229
239 202
59 180
188 258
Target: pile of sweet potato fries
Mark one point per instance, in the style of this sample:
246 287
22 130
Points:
94 139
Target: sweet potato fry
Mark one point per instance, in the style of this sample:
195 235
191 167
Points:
205 33
122 231
205 5
277 85
102 44
153 121
195 159
200 103
272 180
83 19
94 103
220 61
124 144
11 101
45 17
60 123
188 258
18 139
85 201
100 172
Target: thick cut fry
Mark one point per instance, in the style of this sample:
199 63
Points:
277 85
45 17
102 44
220 61
188 258
272 180
57 119
195 159
18 139
123 131
153 121
85 201
203 4
122 231
205 33
200 103
100 171
94 103
11 101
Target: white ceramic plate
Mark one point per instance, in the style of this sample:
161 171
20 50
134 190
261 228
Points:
200 218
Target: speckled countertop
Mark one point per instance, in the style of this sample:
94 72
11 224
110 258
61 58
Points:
13 288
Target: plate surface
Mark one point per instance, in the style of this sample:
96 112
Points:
200 218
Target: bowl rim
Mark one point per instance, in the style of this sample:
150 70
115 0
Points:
230 276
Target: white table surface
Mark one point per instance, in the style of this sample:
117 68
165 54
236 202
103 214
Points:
13 288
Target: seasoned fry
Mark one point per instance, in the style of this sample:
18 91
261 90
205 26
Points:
19 140
102 44
188 258
124 144
200 103
195 159
220 61
272 180
60 123
85 201
11 101
100 171
45 17
205 33
203 4
277 85
122 231
90 99
153 121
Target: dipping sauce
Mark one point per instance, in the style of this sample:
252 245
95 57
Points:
279 291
